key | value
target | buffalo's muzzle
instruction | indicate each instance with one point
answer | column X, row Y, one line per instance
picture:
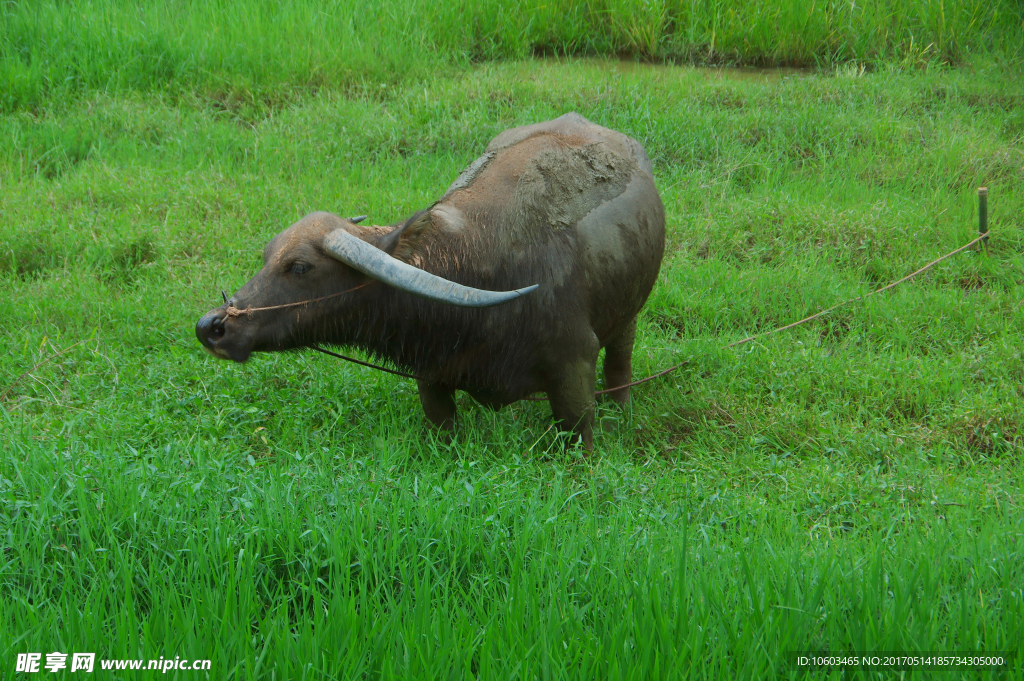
column 210, row 329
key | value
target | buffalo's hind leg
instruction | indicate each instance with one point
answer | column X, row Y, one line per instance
column 618, row 363
column 571, row 394
column 438, row 405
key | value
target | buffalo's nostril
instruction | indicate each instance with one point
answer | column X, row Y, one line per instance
column 210, row 328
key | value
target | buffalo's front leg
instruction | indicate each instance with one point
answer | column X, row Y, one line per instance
column 571, row 394
column 438, row 405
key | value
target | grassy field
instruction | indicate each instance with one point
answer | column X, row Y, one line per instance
column 850, row 485
column 266, row 54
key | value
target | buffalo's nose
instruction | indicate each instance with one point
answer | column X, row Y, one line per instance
column 210, row 328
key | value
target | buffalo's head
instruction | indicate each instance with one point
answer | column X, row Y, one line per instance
column 308, row 272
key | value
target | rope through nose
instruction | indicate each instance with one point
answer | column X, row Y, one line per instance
column 233, row 311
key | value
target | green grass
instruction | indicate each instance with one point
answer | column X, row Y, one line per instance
column 243, row 54
column 853, row 484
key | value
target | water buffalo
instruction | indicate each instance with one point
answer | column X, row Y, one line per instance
column 565, row 207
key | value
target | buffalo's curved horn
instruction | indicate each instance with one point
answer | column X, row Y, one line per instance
column 378, row 265
column 356, row 220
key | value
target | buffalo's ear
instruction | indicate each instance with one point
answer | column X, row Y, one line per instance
column 401, row 242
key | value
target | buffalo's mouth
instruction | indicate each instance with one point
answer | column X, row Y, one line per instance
column 212, row 332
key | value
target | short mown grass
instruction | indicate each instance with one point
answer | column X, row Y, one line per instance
column 850, row 485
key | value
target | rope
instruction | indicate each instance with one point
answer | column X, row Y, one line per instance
column 235, row 312
column 933, row 263
column 365, row 364
column 930, row 265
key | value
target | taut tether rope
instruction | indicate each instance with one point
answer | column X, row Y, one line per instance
column 933, row 263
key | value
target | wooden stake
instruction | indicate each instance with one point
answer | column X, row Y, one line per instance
column 983, row 215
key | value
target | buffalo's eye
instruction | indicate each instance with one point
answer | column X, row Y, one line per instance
column 300, row 268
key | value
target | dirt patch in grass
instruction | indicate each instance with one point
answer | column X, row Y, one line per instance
column 683, row 425
column 834, row 329
column 988, row 435
column 669, row 323
column 970, row 282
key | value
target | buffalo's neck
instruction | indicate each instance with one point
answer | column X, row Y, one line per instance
column 443, row 344
column 412, row 332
